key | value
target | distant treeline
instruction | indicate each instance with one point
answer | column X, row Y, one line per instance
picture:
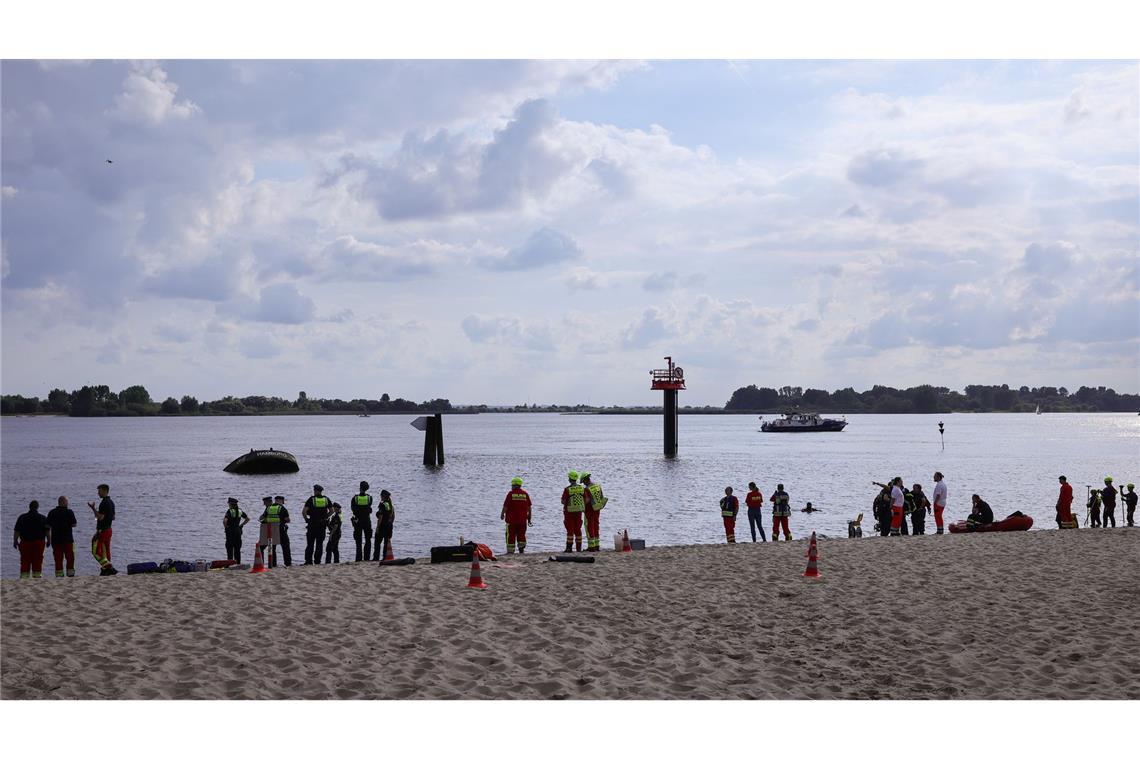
column 930, row 399
column 135, row 401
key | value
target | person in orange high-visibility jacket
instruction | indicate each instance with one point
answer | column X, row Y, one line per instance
column 516, row 513
column 729, row 506
column 575, row 501
column 593, row 514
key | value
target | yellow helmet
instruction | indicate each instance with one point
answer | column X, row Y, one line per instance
column 573, row 475
column 516, row 481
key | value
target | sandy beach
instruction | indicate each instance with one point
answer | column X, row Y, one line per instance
column 1038, row 615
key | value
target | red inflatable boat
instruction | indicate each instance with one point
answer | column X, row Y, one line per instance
column 1013, row 522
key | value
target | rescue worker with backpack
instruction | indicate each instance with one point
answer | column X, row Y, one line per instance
column 516, row 514
column 1092, row 507
column 729, row 506
column 593, row 514
column 273, row 519
column 781, row 511
column 575, row 501
column 233, row 521
column 362, row 522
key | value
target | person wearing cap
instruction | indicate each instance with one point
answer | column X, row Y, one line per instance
column 332, row 548
column 729, row 506
column 1065, row 504
column 362, row 522
column 593, row 514
column 385, row 520
column 575, row 501
column 939, row 504
column 516, row 513
column 316, row 515
column 1130, row 501
column 754, row 500
column 1108, row 502
column 781, row 511
column 233, row 521
column 286, row 552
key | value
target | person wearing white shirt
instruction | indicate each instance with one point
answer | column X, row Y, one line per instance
column 897, row 506
column 939, row 500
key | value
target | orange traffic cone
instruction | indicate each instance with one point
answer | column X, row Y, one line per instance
column 258, row 563
column 388, row 551
column 625, row 547
column 813, row 559
column 476, row 580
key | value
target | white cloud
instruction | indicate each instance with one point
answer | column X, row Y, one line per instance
column 544, row 247
column 148, row 96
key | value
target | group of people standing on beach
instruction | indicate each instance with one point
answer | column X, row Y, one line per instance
column 1100, row 508
column 323, row 523
column 582, row 502
column 34, row 532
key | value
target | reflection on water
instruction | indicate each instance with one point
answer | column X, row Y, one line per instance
column 167, row 480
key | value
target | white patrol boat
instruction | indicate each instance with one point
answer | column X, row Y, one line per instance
column 797, row 422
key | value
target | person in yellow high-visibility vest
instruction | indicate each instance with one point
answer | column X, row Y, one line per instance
column 729, row 506
column 575, row 501
column 593, row 514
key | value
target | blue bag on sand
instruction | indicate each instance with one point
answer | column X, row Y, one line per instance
column 142, row 567
column 184, row 567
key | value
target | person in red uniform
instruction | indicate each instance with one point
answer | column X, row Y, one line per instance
column 101, row 541
column 729, row 506
column 1065, row 504
column 516, row 513
column 61, row 520
column 754, row 501
column 29, row 535
column 576, row 499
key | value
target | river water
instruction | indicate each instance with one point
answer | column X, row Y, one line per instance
column 167, row 480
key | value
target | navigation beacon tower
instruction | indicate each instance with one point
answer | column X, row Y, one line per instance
column 670, row 381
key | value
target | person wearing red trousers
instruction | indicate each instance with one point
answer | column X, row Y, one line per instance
column 940, row 500
column 576, row 499
column 101, row 541
column 516, row 513
column 898, row 506
column 1065, row 504
column 781, row 510
column 28, row 536
column 593, row 514
column 60, row 521
column 729, row 506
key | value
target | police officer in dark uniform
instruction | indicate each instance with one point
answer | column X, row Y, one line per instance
column 286, row 556
column 233, row 522
column 385, row 519
column 316, row 514
column 362, row 522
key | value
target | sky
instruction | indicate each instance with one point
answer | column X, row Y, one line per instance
column 520, row 231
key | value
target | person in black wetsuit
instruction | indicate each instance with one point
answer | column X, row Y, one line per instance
column 1130, row 502
column 332, row 548
column 286, row 556
column 981, row 514
column 921, row 507
column 881, row 509
column 1108, row 503
column 362, row 522
column 316, row 514
column 233, row 521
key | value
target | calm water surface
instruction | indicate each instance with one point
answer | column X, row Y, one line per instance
column 167, row 480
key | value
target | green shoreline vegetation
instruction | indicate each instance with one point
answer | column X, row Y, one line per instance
column 135, row 401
